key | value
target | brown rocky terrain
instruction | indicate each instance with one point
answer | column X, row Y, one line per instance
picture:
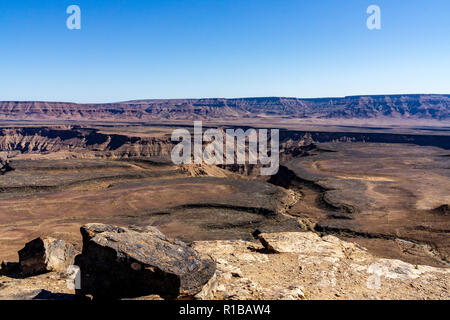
column 63, row 176
column 282, row 266
column 384, row 189
column 86, row 141
column 406, row 107
column 135, row 141
column 387, row 197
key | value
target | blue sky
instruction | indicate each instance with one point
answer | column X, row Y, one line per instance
column 223, row 48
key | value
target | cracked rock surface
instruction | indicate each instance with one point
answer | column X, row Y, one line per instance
column 286, row 265
column 303, row 265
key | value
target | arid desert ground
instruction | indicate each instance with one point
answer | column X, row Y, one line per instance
column 391, row 197
column 385, row 189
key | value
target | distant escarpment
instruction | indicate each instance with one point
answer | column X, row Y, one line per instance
column 399, row 107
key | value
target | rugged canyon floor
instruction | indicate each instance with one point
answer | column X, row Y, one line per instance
column 384, row 190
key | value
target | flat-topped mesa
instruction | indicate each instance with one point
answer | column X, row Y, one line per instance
column 408, row 107
column 131, row 262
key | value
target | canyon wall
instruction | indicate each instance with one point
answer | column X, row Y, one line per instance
column 416, row 107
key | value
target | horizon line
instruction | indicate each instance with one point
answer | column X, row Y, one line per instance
column 232, row 98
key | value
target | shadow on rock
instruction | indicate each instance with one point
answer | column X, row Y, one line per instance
column 11, row 270
column 48, row 295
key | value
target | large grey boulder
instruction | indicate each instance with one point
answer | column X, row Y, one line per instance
column 131, row 262
column 45, row 254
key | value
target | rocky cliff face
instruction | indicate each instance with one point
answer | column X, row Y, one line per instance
column 428, row 107
column 81, row 141
column 84, row 142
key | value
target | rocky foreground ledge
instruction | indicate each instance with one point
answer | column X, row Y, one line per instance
column 141, row 263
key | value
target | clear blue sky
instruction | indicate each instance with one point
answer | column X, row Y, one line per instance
column 221, row 48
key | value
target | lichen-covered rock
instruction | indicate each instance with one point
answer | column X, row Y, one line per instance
column 45, row 254
column 131, row 262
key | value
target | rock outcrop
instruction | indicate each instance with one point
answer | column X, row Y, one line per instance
column 442, row 210
column 132, row 262
column 45, row 254
column 303, row 265
column 143, row 264
column 5, row 166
